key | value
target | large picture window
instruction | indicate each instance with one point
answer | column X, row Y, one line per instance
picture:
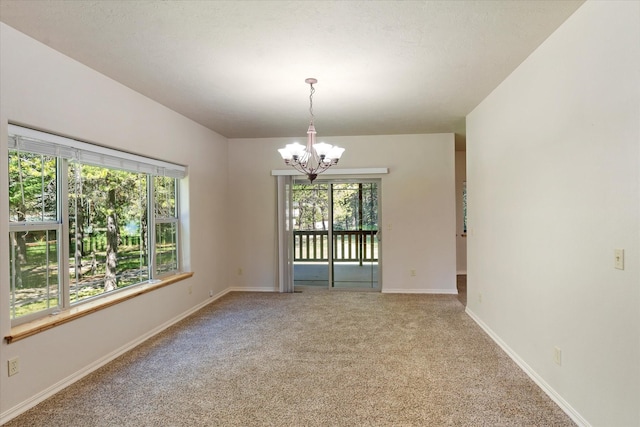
column 85, row 221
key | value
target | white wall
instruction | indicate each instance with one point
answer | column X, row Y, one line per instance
column 45, row 89
column 418, row 208
column 461, row 237
column 552, row 161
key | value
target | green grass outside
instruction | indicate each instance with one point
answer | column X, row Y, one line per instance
column 31, row 296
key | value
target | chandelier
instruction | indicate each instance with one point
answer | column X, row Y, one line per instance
column 315, row 158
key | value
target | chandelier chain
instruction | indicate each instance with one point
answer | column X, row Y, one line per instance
column 313, row 90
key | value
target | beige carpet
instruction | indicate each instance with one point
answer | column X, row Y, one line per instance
column 316, row 358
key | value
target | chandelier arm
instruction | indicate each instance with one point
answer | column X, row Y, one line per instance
column 313, row 164
column 303, row 164
column 323, row 167
column 310, row 163
column 299, row 168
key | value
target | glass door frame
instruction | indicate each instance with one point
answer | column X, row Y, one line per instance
column 330, row 246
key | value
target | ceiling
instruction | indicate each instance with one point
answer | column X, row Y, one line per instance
column 238, row 67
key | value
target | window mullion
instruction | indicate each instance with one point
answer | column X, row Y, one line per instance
column 63, row 219
column 42, row 208
column 151, row 225
column 176, row 212
column 47, row 279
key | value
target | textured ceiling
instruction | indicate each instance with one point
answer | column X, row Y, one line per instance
column 238, row 67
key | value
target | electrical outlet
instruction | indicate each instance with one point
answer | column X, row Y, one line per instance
column 618, row 257
column 557, row 356
column 239, row 272
column 14, row 366
column 211, row 293
column 479, row 297
column 412, row 273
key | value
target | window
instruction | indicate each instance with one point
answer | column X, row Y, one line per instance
column 107, row 228
column 166, row 215
column 85, row 221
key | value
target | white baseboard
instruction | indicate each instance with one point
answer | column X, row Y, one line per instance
column 253, row 289
column 420, row 291
column 563, row 404
column 65, row 382
column 384, row 290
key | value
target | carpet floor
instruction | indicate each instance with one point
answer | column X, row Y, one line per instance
column 315, row 358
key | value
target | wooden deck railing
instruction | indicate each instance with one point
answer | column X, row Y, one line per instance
column 357, row 246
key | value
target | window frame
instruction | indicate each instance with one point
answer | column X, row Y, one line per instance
column 65, row 151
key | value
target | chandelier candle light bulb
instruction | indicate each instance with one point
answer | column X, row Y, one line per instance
column 315, row 158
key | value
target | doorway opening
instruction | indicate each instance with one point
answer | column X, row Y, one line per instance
column 335, row 234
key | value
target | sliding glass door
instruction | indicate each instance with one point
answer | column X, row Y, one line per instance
column 335, row 227
column 311, row 251
column 354, row 227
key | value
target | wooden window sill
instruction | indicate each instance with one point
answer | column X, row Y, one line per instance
column 31, row 328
